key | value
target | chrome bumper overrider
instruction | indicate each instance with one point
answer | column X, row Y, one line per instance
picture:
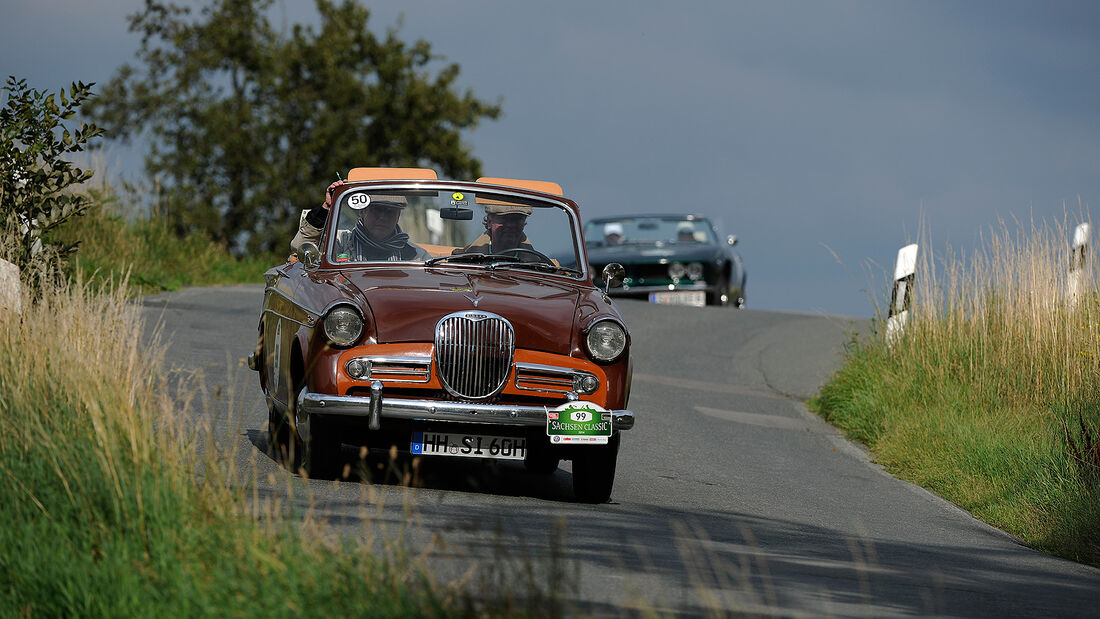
column 375, row 408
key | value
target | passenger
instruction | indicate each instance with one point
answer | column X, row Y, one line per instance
column 685, row 233
column 376, row 235
column 313, row 222
column 504, row 224
column 613, row 233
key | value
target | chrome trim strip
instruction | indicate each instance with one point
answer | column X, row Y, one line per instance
column 437, row 410
column 296, row 304
column 287, row 318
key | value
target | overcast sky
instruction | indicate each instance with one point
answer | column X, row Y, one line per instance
column 821, row 134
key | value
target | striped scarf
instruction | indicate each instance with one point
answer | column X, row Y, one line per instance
column 367, row 248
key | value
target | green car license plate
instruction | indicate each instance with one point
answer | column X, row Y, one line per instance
column 468, row 445
column 697, row 298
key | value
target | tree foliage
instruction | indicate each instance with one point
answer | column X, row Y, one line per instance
column 36, row 179
column 248, row 125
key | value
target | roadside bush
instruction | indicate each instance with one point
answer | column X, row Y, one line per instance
column 36, row 178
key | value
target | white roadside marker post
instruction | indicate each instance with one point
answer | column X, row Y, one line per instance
column 11, row 297
column 1078, row 254
column 900, row 299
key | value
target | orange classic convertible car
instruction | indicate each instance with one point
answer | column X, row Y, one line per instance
column 448, row 319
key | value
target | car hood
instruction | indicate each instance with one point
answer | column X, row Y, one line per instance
column 407, row 303
column 644, row 254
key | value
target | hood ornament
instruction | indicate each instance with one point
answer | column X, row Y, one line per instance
column 475, row 300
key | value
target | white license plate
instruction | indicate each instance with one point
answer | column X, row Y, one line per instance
column 697, row 298
column 468, row 445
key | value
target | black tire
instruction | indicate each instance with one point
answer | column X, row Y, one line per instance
column 324, row 460
column 722, row 289
column 282, row 440
column 594, row 471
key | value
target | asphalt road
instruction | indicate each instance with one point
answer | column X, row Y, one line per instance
column 730, row 496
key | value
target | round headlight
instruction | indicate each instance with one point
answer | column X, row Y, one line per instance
column 606, row 340
column 676, row 270
column 343, row 325
column 695, row 271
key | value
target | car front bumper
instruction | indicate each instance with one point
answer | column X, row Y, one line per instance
column 376, row 408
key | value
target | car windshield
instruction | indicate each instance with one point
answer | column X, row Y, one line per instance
column 452, row 226
column 659, row 231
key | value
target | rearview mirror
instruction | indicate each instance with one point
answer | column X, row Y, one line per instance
column 456, row 213
column 613, row 275
column 309, row 255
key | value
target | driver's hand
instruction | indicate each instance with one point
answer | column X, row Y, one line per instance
column 329, row 192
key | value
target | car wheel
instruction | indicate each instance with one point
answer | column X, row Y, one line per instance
column 324, row 450
column 594, row 471
column 282, row 440
column 721, row 293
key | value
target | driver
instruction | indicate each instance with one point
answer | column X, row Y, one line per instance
column 613, row 233
column 376, row 235
column 504, row 224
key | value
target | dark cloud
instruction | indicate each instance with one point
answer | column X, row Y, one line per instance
column 823, row 135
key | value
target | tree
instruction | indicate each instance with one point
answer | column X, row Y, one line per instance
column 247, row 127
column 35, row 178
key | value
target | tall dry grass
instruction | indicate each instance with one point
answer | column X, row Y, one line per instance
column 109, row 508
column 991, row 396
column 1026, row 334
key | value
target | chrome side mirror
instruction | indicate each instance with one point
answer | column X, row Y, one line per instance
column 731, row 240
column 613, row 276
column 309, row 255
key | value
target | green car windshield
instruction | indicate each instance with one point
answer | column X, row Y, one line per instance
column 657, row 230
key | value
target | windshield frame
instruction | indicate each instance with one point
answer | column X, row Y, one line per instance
column 328, row 237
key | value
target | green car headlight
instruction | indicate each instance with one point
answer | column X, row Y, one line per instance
column 695, row 271
column 605, row 341
column 677, row 271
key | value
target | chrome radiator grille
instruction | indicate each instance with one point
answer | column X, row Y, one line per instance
column 473, row 353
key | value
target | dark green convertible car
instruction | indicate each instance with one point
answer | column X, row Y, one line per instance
column 674, row 259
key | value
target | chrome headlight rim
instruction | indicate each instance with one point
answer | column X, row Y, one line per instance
column 585, row 383
column 695, row 271
column 343, row 325
column 597, row 349
column 677, row 271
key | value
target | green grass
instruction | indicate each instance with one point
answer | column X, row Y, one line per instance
column 114, row 244
column 103, row 516
column 996, row 373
